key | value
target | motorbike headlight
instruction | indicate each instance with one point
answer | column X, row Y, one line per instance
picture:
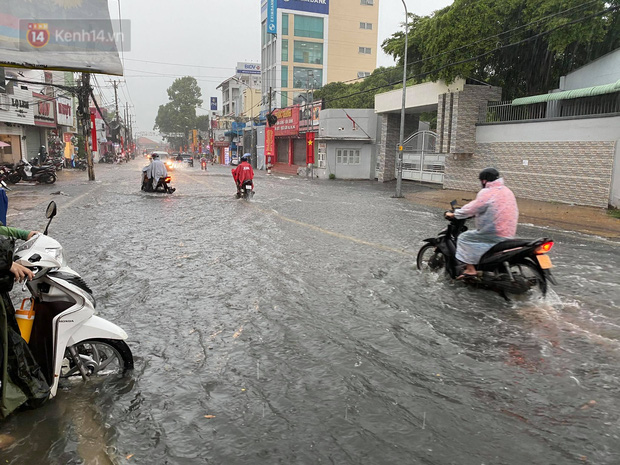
column 26, row 245
column 56, row 253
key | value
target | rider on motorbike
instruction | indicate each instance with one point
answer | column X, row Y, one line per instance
column 243, row 172
column 154, row 171
column 496, row 213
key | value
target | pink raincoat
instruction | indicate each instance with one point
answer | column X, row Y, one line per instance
column 496, row 212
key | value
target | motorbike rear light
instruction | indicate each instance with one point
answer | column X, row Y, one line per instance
column 168, row 179
column 546, row 247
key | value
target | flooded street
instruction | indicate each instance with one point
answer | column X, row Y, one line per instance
column 295, row 329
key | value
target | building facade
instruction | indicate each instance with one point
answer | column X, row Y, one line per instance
column 307, row 44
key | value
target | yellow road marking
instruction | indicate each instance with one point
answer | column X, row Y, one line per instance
column 316, row 228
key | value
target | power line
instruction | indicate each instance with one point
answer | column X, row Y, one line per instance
column 482, row 55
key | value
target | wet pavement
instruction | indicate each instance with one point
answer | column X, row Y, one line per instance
column 295, row 329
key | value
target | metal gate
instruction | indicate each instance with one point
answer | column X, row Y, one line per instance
column 420, row 160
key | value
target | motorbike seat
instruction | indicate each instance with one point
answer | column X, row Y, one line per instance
column 506, row 245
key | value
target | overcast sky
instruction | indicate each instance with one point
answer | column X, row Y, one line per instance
column 204, row 39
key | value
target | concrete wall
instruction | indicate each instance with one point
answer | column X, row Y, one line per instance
column 605, row 70
column 365, row 169
column 569, row 161
column 334, row 123
column 388, row 143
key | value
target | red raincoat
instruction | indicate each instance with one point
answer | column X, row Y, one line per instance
column 243, row 172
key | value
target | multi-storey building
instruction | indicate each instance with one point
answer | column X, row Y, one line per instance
column 309, row 43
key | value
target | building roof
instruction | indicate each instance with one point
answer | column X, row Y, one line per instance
column 569, row 94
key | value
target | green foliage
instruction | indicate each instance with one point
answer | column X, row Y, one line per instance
column 179, row 114
column 442, row 45
column 203, row 123
column 614, row 213
column 360, row 94
column 332, row 176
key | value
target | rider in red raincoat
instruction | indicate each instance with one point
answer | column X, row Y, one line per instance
column 242, row 173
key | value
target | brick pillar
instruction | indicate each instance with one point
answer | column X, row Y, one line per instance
column 390, row 138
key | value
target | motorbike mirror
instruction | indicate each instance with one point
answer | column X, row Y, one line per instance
column 453, row 204
column 51, row 210
column 50, row 213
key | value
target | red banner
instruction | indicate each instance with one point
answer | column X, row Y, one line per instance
column 288, row 121
column 93, row 132
column 270, row 145
column 310, row 148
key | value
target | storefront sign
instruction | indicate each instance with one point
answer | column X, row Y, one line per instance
column 248, row 68
column 64, row 111
column 313, row 6
column 309, row 117
column 44, row 111
column 17, row 107
column 272, row 16
column 288, row 121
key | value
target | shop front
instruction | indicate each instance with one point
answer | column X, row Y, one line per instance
column 287, row 140
column 16, row 114
column 66, row 126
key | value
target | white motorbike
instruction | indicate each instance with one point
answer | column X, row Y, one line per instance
column 67, row 339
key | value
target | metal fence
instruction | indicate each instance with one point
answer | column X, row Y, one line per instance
column 500, row 112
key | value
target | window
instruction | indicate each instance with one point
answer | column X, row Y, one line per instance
column 366, row 26
column 347, row 157
column 365, row 50
column 284, row 99
column 363, row 74
column 284, row 24
column 308, row 52
column 264, row 33
column 322, row 155
column 284, row 49
column 284, row 76
column 307, row 78
column 367, row 2
column 309, row 26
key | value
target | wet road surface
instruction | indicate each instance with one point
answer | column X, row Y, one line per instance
column 295, row 329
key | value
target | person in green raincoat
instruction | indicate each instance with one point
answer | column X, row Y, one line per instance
column 21, row 379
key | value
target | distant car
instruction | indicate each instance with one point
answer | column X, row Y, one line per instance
column 187, row 158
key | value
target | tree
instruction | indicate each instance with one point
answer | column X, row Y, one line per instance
column 359, row 94
column 524, row 46
column 203, row 123
column 179, row 114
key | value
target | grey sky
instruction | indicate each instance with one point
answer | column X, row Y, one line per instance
column 208, row 37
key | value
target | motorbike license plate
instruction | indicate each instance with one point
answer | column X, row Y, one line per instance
column 544, row 261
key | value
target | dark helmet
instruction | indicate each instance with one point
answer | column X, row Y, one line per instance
column 489, row 175
column 155, row 155
column 247, row 157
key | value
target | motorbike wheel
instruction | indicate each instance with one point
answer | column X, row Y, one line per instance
column 83, row 167
column 48, row 178
column 530, row 272
column 430, row 259
column 14, row 178
column 100, row 357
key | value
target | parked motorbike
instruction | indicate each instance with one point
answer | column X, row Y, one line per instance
column 163, row 185
column 24, row 171
column 511, row 267
column 108, row 157
column 67, row 340
column 57, row 162
column 80, row 164
column 4, row 176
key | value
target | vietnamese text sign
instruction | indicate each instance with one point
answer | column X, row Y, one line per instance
column 44, row 110
column 64, row 111
column 313, row 6
column 288, row 121
column 272, row 16
column 248, row 68
column 80, row 37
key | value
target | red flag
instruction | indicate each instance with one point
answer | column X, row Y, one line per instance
column 93, row 132
column 310, row 148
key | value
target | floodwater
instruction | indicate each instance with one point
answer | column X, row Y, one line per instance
column 295, row 329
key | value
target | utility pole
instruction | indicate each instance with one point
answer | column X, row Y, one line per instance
column 126, row 126
column 84, row 95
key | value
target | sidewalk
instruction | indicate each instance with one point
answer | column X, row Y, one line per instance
column 587, row 220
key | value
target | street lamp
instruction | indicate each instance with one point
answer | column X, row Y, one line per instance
column 399, row 163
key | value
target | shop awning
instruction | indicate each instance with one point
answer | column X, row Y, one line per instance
column 569, row 94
